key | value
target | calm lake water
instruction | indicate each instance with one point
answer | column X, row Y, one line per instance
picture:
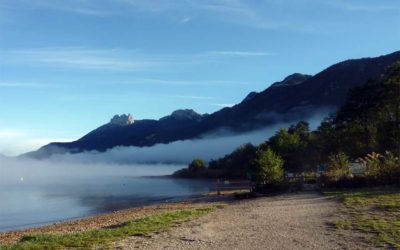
column 25, row 205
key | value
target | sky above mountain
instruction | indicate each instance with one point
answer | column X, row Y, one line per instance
column 67, row 67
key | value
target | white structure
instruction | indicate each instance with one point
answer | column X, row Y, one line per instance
column 357, row 167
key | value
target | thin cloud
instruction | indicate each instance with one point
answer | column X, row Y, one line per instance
column 194, row 97
column 223, row 105
column 24, row 85
column 185, row 20
column 81, row 58
column 116, row 59
column 238, row 53
column 87, row 97
column 254, row 14
column 237, row 12
column 181, row 82
column 363, row 6
column 89, row 12
column 88, row 8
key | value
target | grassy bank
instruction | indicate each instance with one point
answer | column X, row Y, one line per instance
column 375, row 212
column 104, row 237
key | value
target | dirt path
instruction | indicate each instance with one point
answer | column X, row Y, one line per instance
column 292, row 221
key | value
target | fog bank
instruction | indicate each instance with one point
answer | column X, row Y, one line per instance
column 161, row 159
column 211, row 146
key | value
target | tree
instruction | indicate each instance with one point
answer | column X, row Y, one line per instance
column 327, row 138
column 302, row 128
column 196, row 169
column 370, row 119
column 268, row 168
column 197, row 165
column 236, row 164
column 291, row 147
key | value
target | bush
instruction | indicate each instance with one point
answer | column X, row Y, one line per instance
column 338, row 167
column 382, row 169
column 268, row 168
column 391, row 168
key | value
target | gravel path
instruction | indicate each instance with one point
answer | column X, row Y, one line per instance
column 291, row 221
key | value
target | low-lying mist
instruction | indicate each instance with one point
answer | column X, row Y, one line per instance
column 36, row 192
column 76, row 185
column 211, row 146
column 161, row 159
column 13, row 170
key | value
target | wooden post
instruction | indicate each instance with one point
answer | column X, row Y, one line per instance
column 218, row 191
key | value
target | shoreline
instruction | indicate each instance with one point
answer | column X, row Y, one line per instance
column 114, row 218
column 147, row 203
column 287, row 221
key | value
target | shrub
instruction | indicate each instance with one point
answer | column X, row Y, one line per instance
column 268, row 168
column 391, row 168
column 338, row 167
column 382, row 169
column 372, row 165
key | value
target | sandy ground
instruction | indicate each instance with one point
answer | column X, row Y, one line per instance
column 290, row 221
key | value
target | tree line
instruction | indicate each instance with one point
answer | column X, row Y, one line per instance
column 366, row 130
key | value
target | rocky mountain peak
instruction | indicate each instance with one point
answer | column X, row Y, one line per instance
column 122, row 120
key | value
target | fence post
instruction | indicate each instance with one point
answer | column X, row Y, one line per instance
column 218, row 191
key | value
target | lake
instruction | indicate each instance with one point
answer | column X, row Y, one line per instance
column 24, row 204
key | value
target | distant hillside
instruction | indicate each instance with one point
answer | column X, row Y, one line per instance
column 297, row 97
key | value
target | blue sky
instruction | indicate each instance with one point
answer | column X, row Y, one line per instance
column 66, row 67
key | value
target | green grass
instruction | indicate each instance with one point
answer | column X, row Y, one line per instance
column 101, row 238
column 375, row 212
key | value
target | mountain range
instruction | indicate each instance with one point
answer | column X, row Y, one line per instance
column 296, row 97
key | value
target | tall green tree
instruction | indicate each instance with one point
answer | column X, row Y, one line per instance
column 291, row 145
column 268, row 168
